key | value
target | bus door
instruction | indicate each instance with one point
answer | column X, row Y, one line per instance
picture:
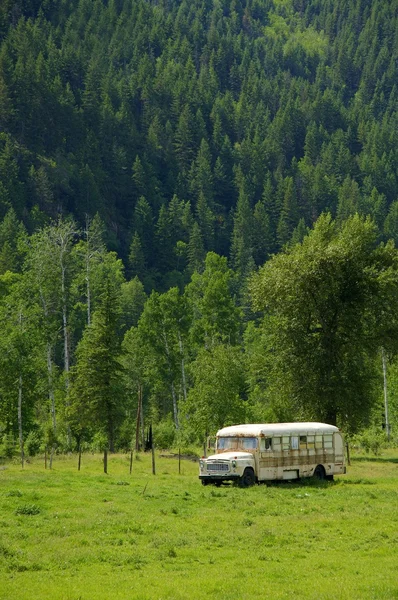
column 267, row 460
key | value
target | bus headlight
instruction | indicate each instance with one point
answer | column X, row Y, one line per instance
column 234, row 464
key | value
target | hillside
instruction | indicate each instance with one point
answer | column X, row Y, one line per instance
column 194, row 126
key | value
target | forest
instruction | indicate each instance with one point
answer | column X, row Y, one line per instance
column 198, row 218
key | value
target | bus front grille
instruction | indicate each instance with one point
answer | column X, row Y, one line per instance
column 218, row 467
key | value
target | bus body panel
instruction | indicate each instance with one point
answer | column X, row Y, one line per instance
column 275, row 451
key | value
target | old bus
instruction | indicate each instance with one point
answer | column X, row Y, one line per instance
column 254, row 453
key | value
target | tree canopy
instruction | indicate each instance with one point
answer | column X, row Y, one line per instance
column 330, row 304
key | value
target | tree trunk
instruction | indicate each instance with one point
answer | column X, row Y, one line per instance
column 21, row 444
column 142, row 421
column 184, row 383
column 173, row 392
column 50, row 376
column 138, row 421
column 51, row 387
column 88, row 292
column 387, row 420
column 52, row 456
column 175, row 406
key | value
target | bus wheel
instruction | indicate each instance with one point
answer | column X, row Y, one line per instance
column 247, row 479
column 319, row 473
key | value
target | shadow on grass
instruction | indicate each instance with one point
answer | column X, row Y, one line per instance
column 307, row 482
column 376, row 459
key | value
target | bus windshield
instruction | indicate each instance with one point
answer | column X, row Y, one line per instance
column 236, row 443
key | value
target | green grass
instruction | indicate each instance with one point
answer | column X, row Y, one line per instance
column 69, row 535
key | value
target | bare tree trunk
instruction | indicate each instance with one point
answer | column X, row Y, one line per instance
column 51, row 387
column 50, row 375
column 173, row 392
column 175, row 406
column 383, row 355
column 52, row 456
column 88, row 291
column 88, row 287
column 66, row 347
column 65, row 331
column 184, row 382
column 142, row 421
column 21, row 444
column 138, row 421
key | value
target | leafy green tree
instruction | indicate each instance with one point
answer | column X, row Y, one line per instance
column 132, row 302
column 163, row 326
column 89, row 254
column 215, row 314
column 329, row 305
column 96, row 397
column 12, row 237
column 216, row 398
column 196, row 251
column 137, row 264
column 49, row 269
column 21, row 366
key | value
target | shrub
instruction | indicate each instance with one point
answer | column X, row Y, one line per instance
column 33, row 443
column 7, row 446
column 164, row 433
column 371, row 440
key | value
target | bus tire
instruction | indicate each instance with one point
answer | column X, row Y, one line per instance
column 248, row 479
column 319, row 473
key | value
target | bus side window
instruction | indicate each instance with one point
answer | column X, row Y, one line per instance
column 295, row 442
column 286, row 442
column 303, row 442
column 266, row 444
column 276, row 444
column 311, row 441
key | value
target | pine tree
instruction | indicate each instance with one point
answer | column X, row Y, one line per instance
column 96, row 392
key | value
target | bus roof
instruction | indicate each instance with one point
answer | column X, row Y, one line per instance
column 265, row 429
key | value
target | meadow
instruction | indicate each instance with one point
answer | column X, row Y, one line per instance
column 69, row 535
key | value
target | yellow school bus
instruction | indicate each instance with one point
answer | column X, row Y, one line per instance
column 249, row 454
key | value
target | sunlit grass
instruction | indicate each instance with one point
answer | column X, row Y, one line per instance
column 84, row 535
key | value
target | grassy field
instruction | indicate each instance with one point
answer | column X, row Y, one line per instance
column 69, row 535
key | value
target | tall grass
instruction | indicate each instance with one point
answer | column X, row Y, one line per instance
column 84, row 535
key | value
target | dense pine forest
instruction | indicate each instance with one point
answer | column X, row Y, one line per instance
column 198, row 212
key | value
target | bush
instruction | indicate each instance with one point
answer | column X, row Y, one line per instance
column 371, row 440
column 164, row 433
column 33, row 443
column 7, row 446
column 99, row 443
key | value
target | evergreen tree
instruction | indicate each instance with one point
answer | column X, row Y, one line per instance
column 96, row 394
